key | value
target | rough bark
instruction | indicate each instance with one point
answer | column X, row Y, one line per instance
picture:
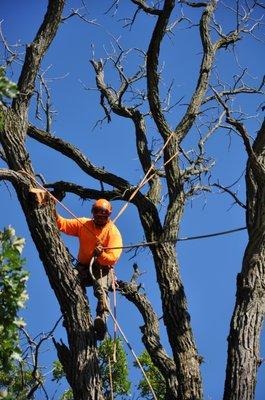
column 151, row 338
column 174, row 304
column 243, row 340
column 177, row 322
column 80, row 359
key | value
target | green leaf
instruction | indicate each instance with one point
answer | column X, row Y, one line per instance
column 154, row 376
column 13, row 296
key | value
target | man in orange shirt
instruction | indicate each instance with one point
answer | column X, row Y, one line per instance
column 99, row 238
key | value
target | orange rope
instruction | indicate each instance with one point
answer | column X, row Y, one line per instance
column 134, row 354
column 110, row 379
column 115, row 314
column 58, row 201
column 145, row 178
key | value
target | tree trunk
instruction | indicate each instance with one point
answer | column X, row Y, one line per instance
column 80, row 360
column 245, row 328
column 177, row 322
column 188, row 385
column 243, row 340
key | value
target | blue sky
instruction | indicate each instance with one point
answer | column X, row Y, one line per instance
column 208, row 267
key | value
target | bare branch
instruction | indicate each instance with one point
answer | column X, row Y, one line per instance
column 76, row 13
column 144, row 7
column 114, row 99
column 260, row 4
column 15, row 177
column 47, row 106
column 74, row 154
column 84, row 193
column 239, row 90
column 240, row 128
column 233, row 194
column 192, row 4
column 150, row 329
column 35, row 52
column 204, row 74
column 152, row 69
column 34, row 348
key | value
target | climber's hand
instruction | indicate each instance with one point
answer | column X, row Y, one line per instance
column 98, row 250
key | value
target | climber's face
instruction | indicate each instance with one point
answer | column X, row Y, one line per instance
column 100, row 216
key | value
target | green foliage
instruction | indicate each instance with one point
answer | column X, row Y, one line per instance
column 12, row 297
column 7, row 88
column 15, row 378
column 153, row 374
column 68, row 395
column 58, row 374
column 57, row 371
column 17, row 383
column 118, row 370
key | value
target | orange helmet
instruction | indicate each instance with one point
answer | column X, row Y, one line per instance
column 102, row 205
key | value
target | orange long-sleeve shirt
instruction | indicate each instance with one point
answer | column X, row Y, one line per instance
column 89, row 234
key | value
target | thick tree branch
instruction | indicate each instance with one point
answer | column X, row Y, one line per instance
column 115, row 102
column 76, row 155
column 170, row 151
column 85, row 193
column 152, row 68
column 143, row 6
column 192, row 4
column 35, row 52
column 14, row 177
column 150, row 329
column 205, row 70
column 248, row 315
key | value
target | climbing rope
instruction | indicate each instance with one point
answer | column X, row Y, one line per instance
column 115, row 312
column 145, row 178
column 110, row 379
column 121, row 331
column 180, row 239
column 133, row 353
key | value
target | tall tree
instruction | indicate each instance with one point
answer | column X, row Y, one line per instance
column 138, row 96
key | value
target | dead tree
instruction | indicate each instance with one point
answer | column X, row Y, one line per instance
column 182, row 174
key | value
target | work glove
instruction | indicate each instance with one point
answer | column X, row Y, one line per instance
column 98, row 249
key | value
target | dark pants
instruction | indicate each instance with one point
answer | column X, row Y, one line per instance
column 101, row 282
